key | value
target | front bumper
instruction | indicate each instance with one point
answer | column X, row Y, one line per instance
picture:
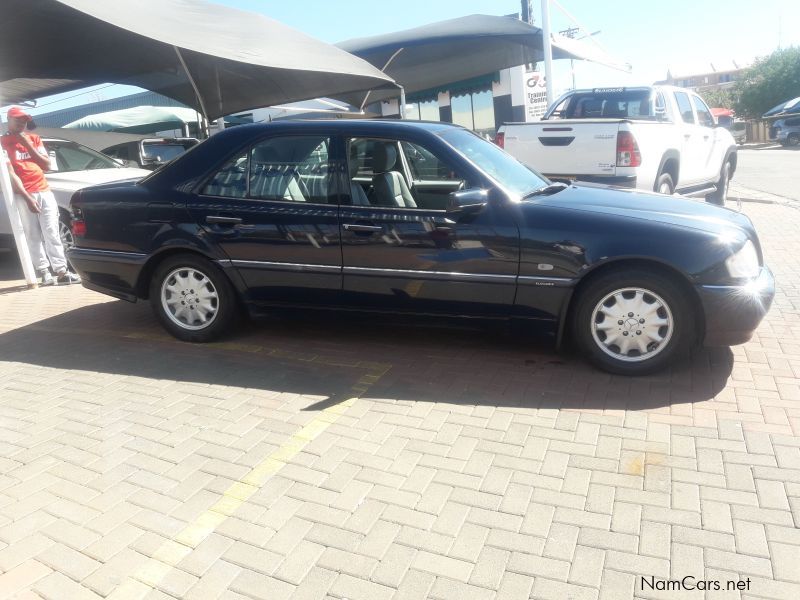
column 733, row 312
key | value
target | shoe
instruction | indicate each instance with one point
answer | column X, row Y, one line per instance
column 68, row 278
column 46, row 278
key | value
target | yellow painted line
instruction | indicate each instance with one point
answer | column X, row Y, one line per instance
column 172, row 552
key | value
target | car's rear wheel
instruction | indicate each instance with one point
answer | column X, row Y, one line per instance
column 665, row 184
column 192, row 298
column 793, row 139
column 721, row 194
column 632, row 321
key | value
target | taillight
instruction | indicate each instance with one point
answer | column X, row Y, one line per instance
column 500, row 139
column 78, row 228
column 628, row 154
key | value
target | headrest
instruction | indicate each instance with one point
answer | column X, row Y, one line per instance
column 384, row 156
column 353, row 162
column 266, row 154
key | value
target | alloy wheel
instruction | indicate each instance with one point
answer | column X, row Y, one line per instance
column 632, row 324
column 189, row 298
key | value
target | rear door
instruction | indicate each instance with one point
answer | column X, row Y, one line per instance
column 693, row 146
column 273, row 210
column 713, row 145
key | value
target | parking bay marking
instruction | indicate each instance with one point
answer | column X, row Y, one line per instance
column 173, row 551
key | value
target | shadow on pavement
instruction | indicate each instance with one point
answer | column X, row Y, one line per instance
column 325, row 356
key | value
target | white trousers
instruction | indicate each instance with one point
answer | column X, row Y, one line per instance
column 41, row 231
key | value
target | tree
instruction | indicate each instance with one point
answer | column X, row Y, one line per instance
column 718, row 98
column 770, row 81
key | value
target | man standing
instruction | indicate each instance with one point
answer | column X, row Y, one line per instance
column 29, row 160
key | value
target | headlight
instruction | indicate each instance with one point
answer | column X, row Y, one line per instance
column 744, row 263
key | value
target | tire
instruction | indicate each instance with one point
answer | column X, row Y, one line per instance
column 664, row 184
column 793, row 139
column 201, row 306
column 64, row 231
column 614, row 309
column 721, row 195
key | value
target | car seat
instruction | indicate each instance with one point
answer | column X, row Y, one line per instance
column 389, row 187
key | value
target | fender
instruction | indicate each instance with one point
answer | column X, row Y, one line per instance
column 671, row 154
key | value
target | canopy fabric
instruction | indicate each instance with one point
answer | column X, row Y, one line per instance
column 427, row 57
column 790, row 107
column 140, row 119
column 238, row 60
column 722, row 112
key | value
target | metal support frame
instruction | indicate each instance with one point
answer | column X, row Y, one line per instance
column 203, row 111
column 547, row 47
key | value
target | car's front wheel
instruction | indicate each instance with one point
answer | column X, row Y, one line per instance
column 793, row 139
column 632, row 321
column 192, row 298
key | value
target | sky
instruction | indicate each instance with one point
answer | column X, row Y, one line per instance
column 684, row 35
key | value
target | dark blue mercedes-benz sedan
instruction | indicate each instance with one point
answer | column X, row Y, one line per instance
column 419, row 218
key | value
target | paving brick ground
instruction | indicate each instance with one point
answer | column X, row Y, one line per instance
column 310, row 460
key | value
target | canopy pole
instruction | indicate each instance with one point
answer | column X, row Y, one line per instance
column 548, row 51
column 402, row 102
column 383, row 70
column 16, row 225
column 194, row 87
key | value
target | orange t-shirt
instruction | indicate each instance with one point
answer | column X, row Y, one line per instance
column 27, row 169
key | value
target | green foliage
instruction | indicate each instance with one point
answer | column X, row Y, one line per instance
column 770, row 81
column 718, row 98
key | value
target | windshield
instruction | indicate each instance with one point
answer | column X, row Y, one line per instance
column 70, row 156
column 511, row 174
column 163, row 152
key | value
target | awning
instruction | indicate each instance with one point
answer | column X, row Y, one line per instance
column 428, row 57
column 236, row 60
column 140, row 119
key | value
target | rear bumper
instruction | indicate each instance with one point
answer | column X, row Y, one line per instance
column 624, row 181
column 733, row 313
column 109, row 272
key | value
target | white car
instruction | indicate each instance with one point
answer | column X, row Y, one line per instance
column 656, row 138
column 74, row 167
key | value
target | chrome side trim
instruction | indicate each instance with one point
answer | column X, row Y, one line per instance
column 279, row 266
column 106, row 255
column 435, row 275
column 546, row 281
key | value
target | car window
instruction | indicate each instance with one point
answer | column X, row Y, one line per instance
column 704, row 116
column 684, row 107
column 425, row 166
column 74, row 157
column 511, row 174
column 163, row 152
column 230, row 181
column 292, row 168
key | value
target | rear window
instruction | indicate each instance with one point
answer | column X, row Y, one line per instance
column 163, row 152
column 606, row 104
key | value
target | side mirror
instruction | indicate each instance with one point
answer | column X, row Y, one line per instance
column 467, row 201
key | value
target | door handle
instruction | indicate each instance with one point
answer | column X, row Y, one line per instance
column 362, row 228
column 223, row 220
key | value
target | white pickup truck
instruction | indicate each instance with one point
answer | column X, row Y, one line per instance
column 656, row 138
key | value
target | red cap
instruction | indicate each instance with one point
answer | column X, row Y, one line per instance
column 15, row 112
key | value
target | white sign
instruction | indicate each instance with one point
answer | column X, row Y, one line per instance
column 535, row 96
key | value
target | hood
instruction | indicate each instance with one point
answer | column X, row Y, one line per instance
column 70, row 181
column 673, row 210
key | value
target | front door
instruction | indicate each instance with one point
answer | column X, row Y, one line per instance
column 273, row 209
column 402, row 252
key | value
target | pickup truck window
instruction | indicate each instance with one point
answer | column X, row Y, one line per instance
column 704, row 116
column 684, row 107
column 624, row 104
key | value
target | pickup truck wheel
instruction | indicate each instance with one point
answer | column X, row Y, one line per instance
column 792, row 139
column 664, row 184
column 721, row 195
column 632, row 322
column 192, row 298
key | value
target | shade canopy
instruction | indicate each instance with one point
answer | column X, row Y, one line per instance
column 454, row 50
column 236, row 60
column 790, row 107
column 96, row 140
column 139, row 119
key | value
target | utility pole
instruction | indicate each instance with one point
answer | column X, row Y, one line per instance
column 548, row 51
